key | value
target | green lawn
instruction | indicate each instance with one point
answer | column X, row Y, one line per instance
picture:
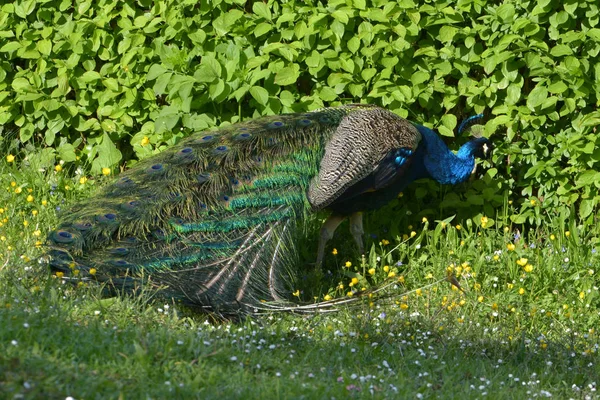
column 526, row 325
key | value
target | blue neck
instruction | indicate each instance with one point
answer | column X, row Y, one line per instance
column 442, row 164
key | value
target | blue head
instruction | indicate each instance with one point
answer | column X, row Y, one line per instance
column 476, row 148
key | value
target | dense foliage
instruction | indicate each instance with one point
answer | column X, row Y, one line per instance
column 98, row 84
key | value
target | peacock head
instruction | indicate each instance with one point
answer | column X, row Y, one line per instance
column 480, row 147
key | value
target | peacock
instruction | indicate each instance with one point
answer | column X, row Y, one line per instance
column 214, row 221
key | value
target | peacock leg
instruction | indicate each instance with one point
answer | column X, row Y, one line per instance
column 356, row 228
column 327, row 231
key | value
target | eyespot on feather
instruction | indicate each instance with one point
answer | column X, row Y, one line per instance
column 63, row 237
column 124, row 182
column 130, row 205
column 83, row 226
column 155, row 169
column 107, row 218
column 205, row 139
column 119, row 251
column 220, row 150
column 304, row 122
column 276, row 124
column 184, row 155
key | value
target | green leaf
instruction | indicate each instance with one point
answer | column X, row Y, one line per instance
column 287, row 75
column 20, row 84
column 586, row 207
column 155, row 71
column 107, row 154
column 210, row 70
column 260, row 94
column 419, row 77
column 537, row 96
column 111, row 83
column 506, row 12
column 66, row 152
column 353, row 44
column 44, row 47
column 262, row 28
column 587, row 178
column 89, row 76
column 262, row 10
column 449, row 121
column 10, row 46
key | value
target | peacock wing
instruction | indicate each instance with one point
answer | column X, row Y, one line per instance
column 368, row 151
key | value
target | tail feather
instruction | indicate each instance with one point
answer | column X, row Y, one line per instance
column 210, row 222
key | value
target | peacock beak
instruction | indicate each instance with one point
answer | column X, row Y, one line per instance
column 487, row 150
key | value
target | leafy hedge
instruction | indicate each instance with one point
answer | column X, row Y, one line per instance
column 102, row 82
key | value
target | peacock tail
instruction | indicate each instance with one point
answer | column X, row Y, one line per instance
column 214, row 221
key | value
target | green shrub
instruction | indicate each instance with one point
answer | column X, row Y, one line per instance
column 104, row 82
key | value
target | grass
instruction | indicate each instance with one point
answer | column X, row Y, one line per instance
column 524, row 327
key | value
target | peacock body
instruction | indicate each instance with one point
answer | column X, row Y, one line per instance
column 214, row 221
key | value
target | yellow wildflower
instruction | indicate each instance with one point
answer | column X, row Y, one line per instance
column 567, row 233
column 18, row 190
column 413, row 234
column 334, row 252
column 424, row 219
column 10, row 158
column 92, row 271
column 521, row 291
column 37, row 233
column 327, row 297
column 496, row 257
column 145, row 141
column 13, row 184
column 401, row 279
column 552, row 237
column 372, row 271
column 83, row 180
column 25, row 223
column 510, row 247
column 458, row 227
column 528, row 268
column 385, row 242
column 533, row 202
column 58, row 167
column 30, row 198
column 404, row 306
column 60, row 274
column 296, row 293
column 348, row 264
column 391, row 274
column 522, row 262
column 581, row 295
column 34, row 212
column 419, row 292
column 386, row 268
column 44, row 202
column 350, row 294
column 480, row 299
column 494, row 306
column 484, row 221
column 354, row 281
column 105, row 171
